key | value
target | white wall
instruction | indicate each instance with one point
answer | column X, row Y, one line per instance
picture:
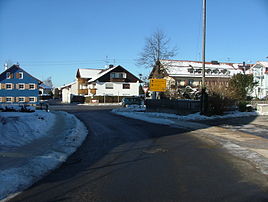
column 261, row 90
column 66, row 95
column 74, row 88
column 117, row 89
column 67, row 92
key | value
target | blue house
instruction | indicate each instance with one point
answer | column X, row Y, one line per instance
column 18, row 87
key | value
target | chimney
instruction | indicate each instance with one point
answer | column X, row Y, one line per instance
column 111, row 66
column 5, row 66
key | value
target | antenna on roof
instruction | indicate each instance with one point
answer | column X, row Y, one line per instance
column 18, row 64
column 106, row 62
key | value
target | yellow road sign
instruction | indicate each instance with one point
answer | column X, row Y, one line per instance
column 158, row 85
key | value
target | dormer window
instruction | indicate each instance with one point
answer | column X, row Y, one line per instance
column 8, row 75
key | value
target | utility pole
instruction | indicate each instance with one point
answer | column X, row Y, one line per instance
column 203, row 100
column 204, row 43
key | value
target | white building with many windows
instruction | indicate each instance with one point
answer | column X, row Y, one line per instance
column 260, row 74
column 114, row 81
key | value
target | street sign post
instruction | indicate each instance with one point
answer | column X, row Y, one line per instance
column 158, row 85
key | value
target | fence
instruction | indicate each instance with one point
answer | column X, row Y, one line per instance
column 173, row 106
column 254, row 103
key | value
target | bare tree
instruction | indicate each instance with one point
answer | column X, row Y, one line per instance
column 156, row 48
column 48, row 82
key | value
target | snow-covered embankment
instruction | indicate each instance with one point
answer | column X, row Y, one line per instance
column 32, row 144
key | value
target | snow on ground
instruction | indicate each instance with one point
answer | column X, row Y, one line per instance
column 138, row 112
column 50, row 139
column 20, row 128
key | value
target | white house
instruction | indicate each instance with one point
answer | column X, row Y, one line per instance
column 260, row 74
column 67, row 91
column 113, row 81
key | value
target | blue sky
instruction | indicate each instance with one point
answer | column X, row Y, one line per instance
column 55, row 37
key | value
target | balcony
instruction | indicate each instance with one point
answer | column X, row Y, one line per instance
column 83, row 91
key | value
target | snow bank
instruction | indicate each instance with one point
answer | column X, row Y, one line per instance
column 18, row 128
column 165, row 118
column 64, row 137
column 131, row 108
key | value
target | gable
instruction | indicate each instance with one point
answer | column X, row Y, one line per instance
column 158, row 71
column 119, row 69
column 14, row 75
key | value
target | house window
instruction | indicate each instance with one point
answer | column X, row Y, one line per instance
column 21, row 86
column 31, row 99
column 182, row 83
column 8, row 99
column 20, row 75
column 21, row 99
column 8, row 86
column 31, row 86
column 126, row 86
column 118, row 75
column 109, row 86
column 190, row 82
column 8, row 75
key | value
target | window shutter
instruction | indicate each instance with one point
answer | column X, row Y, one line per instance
column 3, row 86
column 26, row 99
column 12, row 99
column 17, row 99
column 35, row 86
column 17, row 75
column 3, row 99
column 11, row 75
column 17, row 86
column 12, row 86
column 26, row 86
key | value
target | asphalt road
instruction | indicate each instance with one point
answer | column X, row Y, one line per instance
column 129, row 160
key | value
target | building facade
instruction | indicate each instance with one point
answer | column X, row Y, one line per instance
column 18, row 87
column 260, row 74
column 182, row 75
column 113, row 81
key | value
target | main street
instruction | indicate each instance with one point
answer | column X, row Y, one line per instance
column 124, row 159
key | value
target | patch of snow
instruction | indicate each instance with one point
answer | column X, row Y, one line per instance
column 19, row 128
column 131, row 108
column 64, row 142
column 258, row 160
column 134, row 113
